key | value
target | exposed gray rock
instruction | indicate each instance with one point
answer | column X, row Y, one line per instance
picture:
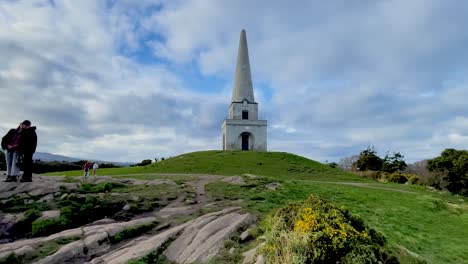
column 126, row 207
column 200, row 239
column 273, row 186
column 249, row 256
column 47, row 198
column 238, row 180
column 160, row 182
column 50, row 215
column 260, row 259
column 8, row 221
column 102, row 222
column 40, row 186
column 245, row 235
column 203, row 239
column 91, row 235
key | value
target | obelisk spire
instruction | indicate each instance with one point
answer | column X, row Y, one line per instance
column 243, row 81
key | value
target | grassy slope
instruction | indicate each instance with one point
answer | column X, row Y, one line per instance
column 422, row 222
column 273, row 164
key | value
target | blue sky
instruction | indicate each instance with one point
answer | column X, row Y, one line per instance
column 129, row 80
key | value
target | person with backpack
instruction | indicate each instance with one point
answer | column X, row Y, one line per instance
column 10, row 144
column 27, row 147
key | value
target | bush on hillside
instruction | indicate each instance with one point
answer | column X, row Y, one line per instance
column 452, row 166
column 368, row 160
column 316, row 231
column 397, row 178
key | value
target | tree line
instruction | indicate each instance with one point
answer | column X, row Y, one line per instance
column 449, row 171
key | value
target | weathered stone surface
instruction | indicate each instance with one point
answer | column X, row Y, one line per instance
column 160, row 182
column 91, row 235
column 8, row 221
column 40, row 186
column 249, row 256
column 70, row 251
column 273, row 186
column 260, row 259
column 245, row 235
column 47, row 198
column 200, row 240
column 203, row 239
column 238, row 180
column 50, row 215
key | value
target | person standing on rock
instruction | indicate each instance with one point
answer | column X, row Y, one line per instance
column 27, row 147
column 95, row 167
column 10, row 154
column 87, row 165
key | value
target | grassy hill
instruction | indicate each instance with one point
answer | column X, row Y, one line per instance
column 421, row 226
column 280, row 165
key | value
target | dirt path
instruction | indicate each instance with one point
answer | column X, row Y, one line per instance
column 178, row 206
column 360, row 184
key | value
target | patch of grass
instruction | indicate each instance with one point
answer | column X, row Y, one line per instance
column 132, row 232
column 17, row 204
column 11, row 259
column 76, row 211
column 99, row 188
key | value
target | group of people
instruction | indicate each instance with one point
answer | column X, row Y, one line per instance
column 88, row 165
column 19, row 145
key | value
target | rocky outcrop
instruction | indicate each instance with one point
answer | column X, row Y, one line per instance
column 202, row 239
column 197, row 240
column 42, row 186
column 94, row 239
column 238, row 180
column 7, row 222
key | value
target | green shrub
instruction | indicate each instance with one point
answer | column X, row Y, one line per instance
column 99, row 188
column 11, row 259
column 315, row 231
column 414, row 179
column 46, row 227
column 397, row 178
column 23, row 227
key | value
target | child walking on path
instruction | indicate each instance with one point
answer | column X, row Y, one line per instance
column 95, row 166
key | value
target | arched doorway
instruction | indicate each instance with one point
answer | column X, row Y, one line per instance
column 246, row 141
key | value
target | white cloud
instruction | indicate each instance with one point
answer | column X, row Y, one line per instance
column 99, row 78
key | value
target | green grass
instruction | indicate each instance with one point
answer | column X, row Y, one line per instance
column 274, row 164
column 421, row 222
column 433, row 225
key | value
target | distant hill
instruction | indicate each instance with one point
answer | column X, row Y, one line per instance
column 44, row 156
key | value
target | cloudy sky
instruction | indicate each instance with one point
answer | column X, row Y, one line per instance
column 127, row 80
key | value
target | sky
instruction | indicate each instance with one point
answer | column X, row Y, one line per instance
column 124, row 80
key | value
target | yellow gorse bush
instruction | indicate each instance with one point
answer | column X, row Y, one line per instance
column 316, row 231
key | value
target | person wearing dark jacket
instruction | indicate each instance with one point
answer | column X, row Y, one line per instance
column 27, row 147
column 11, row 155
